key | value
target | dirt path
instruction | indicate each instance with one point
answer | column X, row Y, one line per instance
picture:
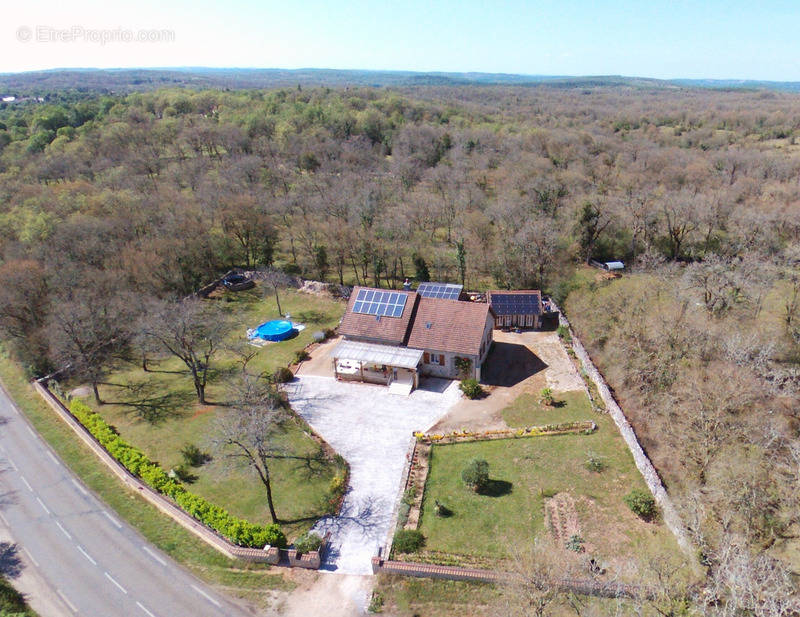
column 332, row 595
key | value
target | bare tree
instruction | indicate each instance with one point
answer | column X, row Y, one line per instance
column 276, row 279
column 192, row 331
column 531, row 589
column 247, row 433
column 88, row 327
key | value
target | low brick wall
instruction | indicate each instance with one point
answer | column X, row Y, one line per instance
column 271, row 555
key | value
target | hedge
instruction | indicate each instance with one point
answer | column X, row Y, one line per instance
column 238, row 531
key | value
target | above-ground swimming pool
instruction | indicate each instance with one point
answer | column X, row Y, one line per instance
column 275, row 330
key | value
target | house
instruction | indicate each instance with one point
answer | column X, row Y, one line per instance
column 393, row 337
column 455, row 337
column 516, row 309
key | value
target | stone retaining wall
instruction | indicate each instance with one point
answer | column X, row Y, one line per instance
column 271, row 555
column 671, row 517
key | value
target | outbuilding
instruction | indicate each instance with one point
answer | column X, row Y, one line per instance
column 516, row 309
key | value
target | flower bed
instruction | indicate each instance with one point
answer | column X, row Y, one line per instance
column 586, row 426
column 238, row 531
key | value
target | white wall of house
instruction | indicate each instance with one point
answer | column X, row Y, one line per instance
column 442, row 363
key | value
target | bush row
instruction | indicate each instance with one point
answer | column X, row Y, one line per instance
column 238, row 531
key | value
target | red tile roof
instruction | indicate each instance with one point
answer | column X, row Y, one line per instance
column 445, row 325
column 389, row 330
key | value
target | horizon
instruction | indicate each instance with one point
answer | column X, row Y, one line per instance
column 443, row 73
column 660, row 40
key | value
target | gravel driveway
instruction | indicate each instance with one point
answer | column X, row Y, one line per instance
column 372, row 430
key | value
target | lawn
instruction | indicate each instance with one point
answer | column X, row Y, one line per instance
column 301, row 480
column 527, row 410
column 524, row 473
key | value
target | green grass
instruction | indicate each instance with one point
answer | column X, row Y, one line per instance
column 407, row 596
column 300, row 483
column 238, row 579
column 524, row 472
column 526, row 410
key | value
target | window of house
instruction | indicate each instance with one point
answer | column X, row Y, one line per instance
column 436, row 358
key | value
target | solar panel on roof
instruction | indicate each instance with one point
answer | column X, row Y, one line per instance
column 381, row 303
column 445, row 291
column 508, row 304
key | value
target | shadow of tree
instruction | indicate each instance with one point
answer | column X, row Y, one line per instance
column 497, row 488
column 311, row 316
column 10, row 563
column 148, row 403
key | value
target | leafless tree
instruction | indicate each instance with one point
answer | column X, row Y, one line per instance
column 245, row 434
column 192, row 330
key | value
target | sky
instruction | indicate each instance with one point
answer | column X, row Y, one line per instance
column 709, row 39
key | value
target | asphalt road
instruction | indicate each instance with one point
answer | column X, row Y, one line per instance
column 90, row 562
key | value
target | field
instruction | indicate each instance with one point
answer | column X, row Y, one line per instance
column 301, row 474
column 524, row 474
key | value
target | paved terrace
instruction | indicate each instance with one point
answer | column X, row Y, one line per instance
column 371, row 429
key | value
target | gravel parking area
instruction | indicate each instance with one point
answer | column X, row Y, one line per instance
column 372, row 430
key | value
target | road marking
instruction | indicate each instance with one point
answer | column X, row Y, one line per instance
column 206, row 596
column 154, row 556
column 52, row 457
column 26, row 483
column 28, row 553
column 30, row 430
column 12, row 463
column 64, row 531
column 112, row 519
column 66, row 601
column 79, row 487
column 44, row 507
column 4, row 519
column 120, row 587
column 87, row 555
column 146, row 612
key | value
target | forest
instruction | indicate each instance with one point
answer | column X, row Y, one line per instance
column 112, row 204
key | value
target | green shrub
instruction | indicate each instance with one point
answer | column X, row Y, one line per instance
column 471, row 388
column 284, row 375
column 376, row 603
column 476, row 474
column 575, row 543
column 184, row 473
column 194, row 456
column 330, row 333
column 563, row 334
column 441, row 510
column 301, row 355
column 594, row 462
column 547, row 396
column 238, row 531
column 308, row 542
column 641, row 503
column 408, row 541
